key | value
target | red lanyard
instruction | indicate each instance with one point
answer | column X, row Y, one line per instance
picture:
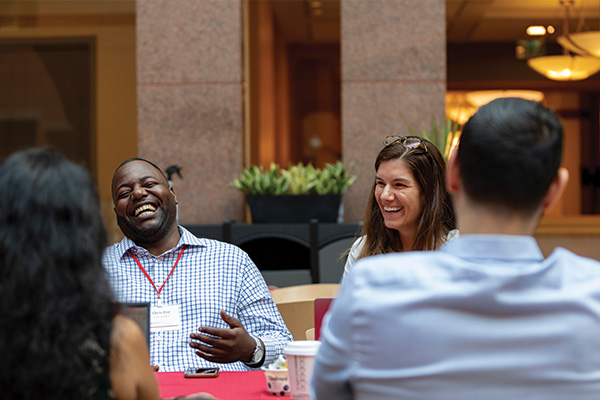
column 148, row 276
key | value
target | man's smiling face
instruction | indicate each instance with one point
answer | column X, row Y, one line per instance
column 145, row 205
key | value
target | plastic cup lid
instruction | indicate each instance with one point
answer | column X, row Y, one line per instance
column 302, row 348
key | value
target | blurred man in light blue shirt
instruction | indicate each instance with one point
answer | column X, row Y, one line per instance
column 486, row 316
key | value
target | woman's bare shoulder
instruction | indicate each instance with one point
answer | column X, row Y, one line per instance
column 132, row 376
column 126, row 342
column 125, row 329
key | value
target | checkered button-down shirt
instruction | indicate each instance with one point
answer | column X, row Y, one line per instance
column 210, row 276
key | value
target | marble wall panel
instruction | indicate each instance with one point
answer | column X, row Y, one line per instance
column 189, row 40
column 190, row 99
column 393, row 39
column 393, row 76
column 372, row 111
column 200, row 129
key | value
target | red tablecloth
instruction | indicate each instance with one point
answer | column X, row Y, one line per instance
column 250, row 385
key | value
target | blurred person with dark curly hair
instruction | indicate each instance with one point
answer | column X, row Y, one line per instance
column 61, row 337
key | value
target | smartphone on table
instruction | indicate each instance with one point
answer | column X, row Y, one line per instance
column 193, row 372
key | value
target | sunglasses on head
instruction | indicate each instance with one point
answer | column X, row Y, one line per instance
column 412, row 142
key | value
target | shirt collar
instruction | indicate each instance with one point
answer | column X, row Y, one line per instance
column 186, row 239
column 501, row 247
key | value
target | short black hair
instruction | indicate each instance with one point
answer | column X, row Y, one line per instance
column 509, row 153
column 144, row 160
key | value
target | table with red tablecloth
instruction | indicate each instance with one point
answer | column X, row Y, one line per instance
column 248, row 385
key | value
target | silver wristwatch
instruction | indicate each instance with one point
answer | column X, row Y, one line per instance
column 258, row 354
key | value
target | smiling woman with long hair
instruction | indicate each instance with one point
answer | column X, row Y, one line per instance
column 60, row 336
column 408, row 207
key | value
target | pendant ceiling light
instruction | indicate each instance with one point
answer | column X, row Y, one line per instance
column 481, row 97
column 582, row 43
column 566, row 67
column 460, row 106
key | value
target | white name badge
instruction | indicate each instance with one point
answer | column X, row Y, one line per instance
column 165, row 318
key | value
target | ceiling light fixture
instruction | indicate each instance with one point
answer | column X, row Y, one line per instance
column 460, row 106
column 536, row 30
column 582, row 43
column 481, row 97
column 565, row 67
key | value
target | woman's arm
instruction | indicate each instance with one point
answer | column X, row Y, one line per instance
column 131, row 374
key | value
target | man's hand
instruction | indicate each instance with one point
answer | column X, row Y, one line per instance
column 228, row 345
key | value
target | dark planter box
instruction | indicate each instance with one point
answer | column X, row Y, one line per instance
column 270, row 209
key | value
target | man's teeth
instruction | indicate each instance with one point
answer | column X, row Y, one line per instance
column 144, row 210
column 392, row 209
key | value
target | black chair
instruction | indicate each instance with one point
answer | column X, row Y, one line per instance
column 280, row 251
column 289, row 254
column 209, row 231
column 329, row 241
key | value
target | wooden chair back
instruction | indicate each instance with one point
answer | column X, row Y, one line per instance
column 296, row 305
column 305, row 292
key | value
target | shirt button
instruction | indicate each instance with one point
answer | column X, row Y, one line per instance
column 159, row 337
column 159, row 259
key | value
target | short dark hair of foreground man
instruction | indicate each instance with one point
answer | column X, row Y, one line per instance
column 204, row 290
column 486, row 316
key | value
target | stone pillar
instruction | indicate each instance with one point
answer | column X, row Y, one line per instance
column 190, row 100
column 393, row 74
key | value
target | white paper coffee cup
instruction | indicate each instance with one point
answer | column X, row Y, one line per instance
column 300, row 357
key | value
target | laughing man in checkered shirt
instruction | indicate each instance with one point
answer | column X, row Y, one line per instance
column 210, row 306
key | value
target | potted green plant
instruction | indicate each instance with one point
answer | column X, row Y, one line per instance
column 445, row 138
column 296, row 194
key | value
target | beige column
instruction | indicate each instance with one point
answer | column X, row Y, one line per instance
column 190, row 100
column 393, row 73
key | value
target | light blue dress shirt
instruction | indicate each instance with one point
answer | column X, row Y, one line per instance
column 485, row 317
column 210, row 276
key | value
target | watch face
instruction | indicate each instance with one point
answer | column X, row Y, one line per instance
column 258, row 354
